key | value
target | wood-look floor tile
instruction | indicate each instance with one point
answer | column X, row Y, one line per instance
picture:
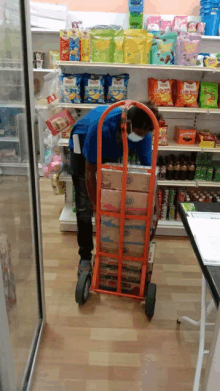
column 105, row 385
column 114, row 359
column 113, row 334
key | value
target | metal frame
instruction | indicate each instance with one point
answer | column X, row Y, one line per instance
column 202, row 323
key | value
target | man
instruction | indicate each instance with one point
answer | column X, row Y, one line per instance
column 83, row 147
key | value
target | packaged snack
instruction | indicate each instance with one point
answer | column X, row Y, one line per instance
column 137, row 46
column 162, row 136
column 74, row 53
column 102, row 45
column 70, row 88
column 60, row 122
column 209, row 174
column 54, row 56
column 212, row 60
column 187, row 49
column 64, row 45
column 136, row 20
column 200, row 27
column 136, row 5
column 187, row 93
column 162, row 52
column 205, row 139
column 217, row 140
column 94, row 91
column 208, row 95
column 165, row 25
column 116, row 88
column 200, row 59
column 185, row 136
column 217, row 174
column 160, row 92
column 191, row 27
column 153, row 23
column 180, row 23
column 85, row 46
column 119, row 47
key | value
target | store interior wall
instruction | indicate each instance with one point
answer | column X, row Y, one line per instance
column 179, row 7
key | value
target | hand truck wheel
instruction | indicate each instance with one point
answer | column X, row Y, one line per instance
column 82, row 288
column 150, row 300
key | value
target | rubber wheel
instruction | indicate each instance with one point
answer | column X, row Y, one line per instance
column 150, row 300
column 82, row 288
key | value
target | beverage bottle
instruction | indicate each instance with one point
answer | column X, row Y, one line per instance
column 183, row 169
column 169, row 172
column 191, row 171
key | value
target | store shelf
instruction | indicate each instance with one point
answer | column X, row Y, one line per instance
column 64, row 142
column 170, row 228
column 9, row 139
column 43, row 31
column 207, row 184
column 173, row 146
column 177, row 183
column 19, row 105
column 210, row 38
column 10, row 69
column 43, row 70
column 14, row 164
column 65, row 177
column 81, row 64
column 68, row 220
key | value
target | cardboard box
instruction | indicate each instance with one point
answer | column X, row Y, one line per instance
column 134, row 266
column 134, row 250
column 134, row 230
column 185, row 136
column 126, row 287
column 137, row 179
column 136, row 203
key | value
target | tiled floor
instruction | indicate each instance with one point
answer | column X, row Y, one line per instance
column 108, row 344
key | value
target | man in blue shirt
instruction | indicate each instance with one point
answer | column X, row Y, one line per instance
column 83, row 147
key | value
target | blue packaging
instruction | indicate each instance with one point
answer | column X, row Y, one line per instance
column 70, row 88
column 212, row 23
column 74, row 54
column 116, row 88
column 94, row 88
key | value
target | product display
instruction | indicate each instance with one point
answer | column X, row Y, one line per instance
column 116, row 88
column 187, row 93
column 208, row 95
column 137, row 46
column 94, row 88
column 160, row 92
column 70, row 88
column 205, row 139
column 162, row 134
column 187, row 49
column 163, row 46
column 185, row 136
column 64, row 45
column 74, row 46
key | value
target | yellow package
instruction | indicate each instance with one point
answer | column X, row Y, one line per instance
column 85, row 45
column 137, row 46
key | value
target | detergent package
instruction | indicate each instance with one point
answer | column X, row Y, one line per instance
column 94, row 88
column 116, row 88
column 102, row 45
column 74, row 47
column 208, row 95
column 70, row 88
column 119, row 47
column 85, row 46
column 163, row 46
column 137, row 46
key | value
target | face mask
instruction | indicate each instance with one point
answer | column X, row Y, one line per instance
column 134, row 137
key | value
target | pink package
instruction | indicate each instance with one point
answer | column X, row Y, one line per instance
column 153, row 23
column 165, row 25
column 191, row 27
column 187, row 49
column 201, row 28
column 179, row 23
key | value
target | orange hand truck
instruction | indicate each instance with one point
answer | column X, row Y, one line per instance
column 89, row 281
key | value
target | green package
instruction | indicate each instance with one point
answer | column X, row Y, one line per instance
column 203, row 173
column 217, row 174
column 199, row 158
column 136, row 19
column 102, row 45
column 163, row 46
column 119, row 47
column 208, row 95
column 198, row 172
column 209, row 174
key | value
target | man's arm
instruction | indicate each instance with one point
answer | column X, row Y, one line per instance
column 90, row 177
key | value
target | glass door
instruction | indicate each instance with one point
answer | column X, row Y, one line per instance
column 21, row 275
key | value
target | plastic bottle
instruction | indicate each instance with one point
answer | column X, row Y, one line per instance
column 183, row 169
column 169, row 172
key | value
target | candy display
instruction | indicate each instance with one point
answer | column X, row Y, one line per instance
column 160, row 92
column 187, row 93
column 116, row 88
column 163, row 46
column 208, row 95
column 94, row 88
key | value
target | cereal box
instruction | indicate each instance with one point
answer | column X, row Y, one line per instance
column 85, row 45
column 74, row 53
column 64, row 45
column 94, row 91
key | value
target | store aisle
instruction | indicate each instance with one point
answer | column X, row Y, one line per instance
column 108, row 344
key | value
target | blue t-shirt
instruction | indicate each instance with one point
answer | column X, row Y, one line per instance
column 86, row 128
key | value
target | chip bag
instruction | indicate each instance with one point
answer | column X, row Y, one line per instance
column 85, row 45
column 94, row 88
column 162, row 51
column 116, row 88
column 70, row 88
column 208, row 95
column 137, row 46
column 102, row 45
column 160, row 92
column 119, row 47
column 187, row 93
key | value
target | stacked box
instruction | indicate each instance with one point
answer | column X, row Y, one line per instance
column 135, row 203
column 137, row 179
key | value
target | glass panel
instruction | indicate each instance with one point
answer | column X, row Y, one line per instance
column 17, row 253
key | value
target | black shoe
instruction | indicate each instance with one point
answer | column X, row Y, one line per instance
column 84, row 266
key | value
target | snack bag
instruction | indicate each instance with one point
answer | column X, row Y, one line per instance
column 64, row 45
column 153, row 23
column 200, row 28
column 94, row 88
column 180, row 23
column 187, row 49
column 165, row 25
column 191, row 27
column 119, row 47
column 74, row 52
column 54, row 56
column 116, row 88
column 102, row 45
column 160, row 92
column 70, row 88
column 208, row 95
column 137, row 46
column 85, row 45
column 162, row 52
column 187, row 93
column 212, row 60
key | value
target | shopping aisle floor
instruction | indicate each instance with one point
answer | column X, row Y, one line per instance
column 108, row 344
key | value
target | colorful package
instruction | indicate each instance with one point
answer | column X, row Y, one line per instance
column 208, row 95
column 153, row 23
column 191, row 27
column 54, row 56
column 200, row 28
column 70, row 88
column 187, row 49
column 102, row 45
column 180, row 23
column 137, row 46
column 116, row 88
column 64, row 45
column 94, row 88
column 187, row 93
column 165, row 25
column 160, row 92
column 60, row 122
column 212, row 60
column 119, row 47
column 85, row 46
column 162, row 136
column 74, row 53
column 162, row 52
